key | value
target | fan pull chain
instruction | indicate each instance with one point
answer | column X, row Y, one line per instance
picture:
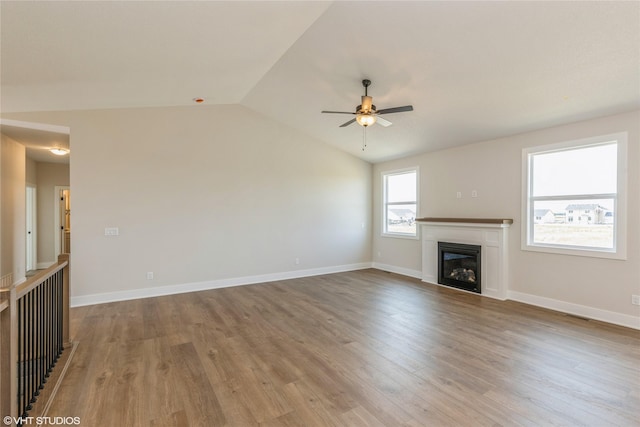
column 364, row 137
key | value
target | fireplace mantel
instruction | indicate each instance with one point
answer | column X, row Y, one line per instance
column 467, row 220
column 491, row 234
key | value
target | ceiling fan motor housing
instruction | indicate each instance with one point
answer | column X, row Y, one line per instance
column 359, row 109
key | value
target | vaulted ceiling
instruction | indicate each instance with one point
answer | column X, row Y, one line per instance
column 472, row 70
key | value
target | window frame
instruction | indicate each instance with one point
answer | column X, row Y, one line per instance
column 619, row 250
column 385, row 204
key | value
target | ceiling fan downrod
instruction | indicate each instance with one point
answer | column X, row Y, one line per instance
column 366, row 83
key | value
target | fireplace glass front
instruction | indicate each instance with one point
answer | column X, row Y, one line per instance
column 459, row 266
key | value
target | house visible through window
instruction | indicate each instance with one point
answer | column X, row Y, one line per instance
column 574, row 197
column 400, row 195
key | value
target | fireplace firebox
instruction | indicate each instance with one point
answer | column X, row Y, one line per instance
column 459, row 266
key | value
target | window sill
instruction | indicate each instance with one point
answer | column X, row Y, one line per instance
column 589, row 253
column 401, row 236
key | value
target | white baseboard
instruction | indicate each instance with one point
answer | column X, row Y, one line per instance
column 561, row 306
column 544, row 302
column 78, row 301
column 577, row 310
column 416, row 274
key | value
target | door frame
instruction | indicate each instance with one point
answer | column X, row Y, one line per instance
column 58, row 220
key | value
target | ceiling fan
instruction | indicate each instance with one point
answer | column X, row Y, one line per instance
column 366, row 113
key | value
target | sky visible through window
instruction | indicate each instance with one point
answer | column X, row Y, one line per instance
column 401, row 187
column 591, row 170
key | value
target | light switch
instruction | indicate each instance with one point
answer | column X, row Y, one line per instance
column 111, row 231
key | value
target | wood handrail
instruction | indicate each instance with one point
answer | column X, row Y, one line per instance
column 6, row 281
column 33, row 282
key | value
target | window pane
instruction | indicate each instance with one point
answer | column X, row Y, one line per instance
column 589, row 170
column 587, row 223
column 401, row 187
column 401, row 219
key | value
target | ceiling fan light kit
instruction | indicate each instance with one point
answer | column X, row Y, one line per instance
column 366, row 113
column 365, row 119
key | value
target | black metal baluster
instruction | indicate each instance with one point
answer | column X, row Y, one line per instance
column 32, row 359
column 47, row 328
column 20, row 353
column 43, row 352
column 51, row 330
column 36, row 327
column 55, row 324
column 60, row 317
column 25, row 361
column 57, row 320
column 39, row 341
column 25, row 357
column 27, row 379
column 32, row 344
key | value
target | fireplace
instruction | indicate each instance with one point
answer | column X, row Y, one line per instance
column 492, row 234
column 459, row 266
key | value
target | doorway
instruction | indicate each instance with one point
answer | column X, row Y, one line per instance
column 63, row 220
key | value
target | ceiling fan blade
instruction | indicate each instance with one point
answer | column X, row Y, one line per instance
column 337, row 112
column 347, row 123
column 383, row 122
column 396, row 109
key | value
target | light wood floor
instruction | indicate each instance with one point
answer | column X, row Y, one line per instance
column 364, row 348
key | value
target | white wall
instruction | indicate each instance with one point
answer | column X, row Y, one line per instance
column 31, row 172
column 12, row 209
column 590, row 286
column 206, row 193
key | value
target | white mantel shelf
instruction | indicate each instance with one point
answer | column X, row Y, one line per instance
column 468, row 221
column 491, row 234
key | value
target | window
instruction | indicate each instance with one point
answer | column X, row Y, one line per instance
column 400, row 201
column 587, row 177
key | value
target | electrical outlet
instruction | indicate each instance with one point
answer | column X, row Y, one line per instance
column 635, row 299
column 459, row 195
column 297, row 261
column 474, row 193
column 149, row 275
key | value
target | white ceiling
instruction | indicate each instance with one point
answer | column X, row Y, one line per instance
column 37, row 141
column 472, row 70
